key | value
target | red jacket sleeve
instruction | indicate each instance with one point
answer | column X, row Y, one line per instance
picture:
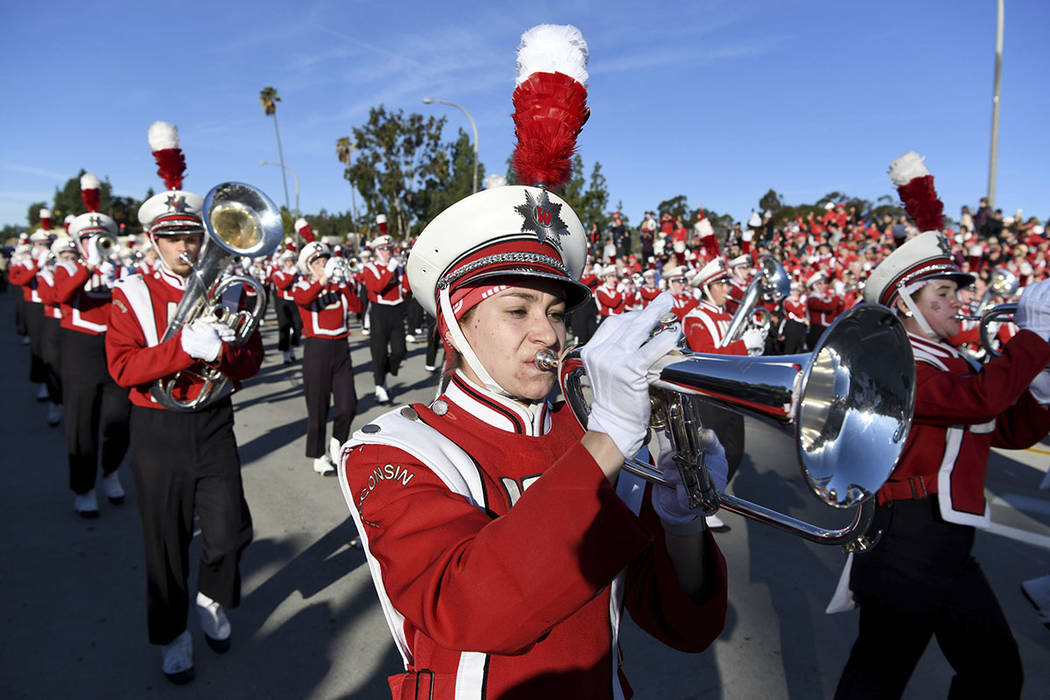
column 66, row 285
column 131, row 362
column 378, row 278
column 697, row 335
column 817, row 304
column 304, row 296
column 21, row 274
column 1022, row 425
column 282, row 280
column 944, row 398
column 444, row 559
column 353, row 300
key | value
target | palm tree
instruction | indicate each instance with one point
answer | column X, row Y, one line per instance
column 344, row 148
column 269, row 99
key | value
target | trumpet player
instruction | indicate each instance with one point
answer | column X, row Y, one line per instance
column 289, row 324
column 325, row 297
column 91, row 399
column 24, row 274
column 184, row 462
column 387, row 289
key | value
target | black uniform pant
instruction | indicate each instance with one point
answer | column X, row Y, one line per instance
column 413, row 314
column 289, row 324
column 387, row 328
column 34, row 317
column 813, row 336
column 93, row 401
column 185, row 463
column 794, row 338
column 584, row 321
column 51, row 340
column 20, row 306
column 328, row 374
column 920, row 581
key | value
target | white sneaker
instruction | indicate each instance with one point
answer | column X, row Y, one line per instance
column 430, row 368
column 715, row 523
column 334, row 447
column 41, row 393
column 381, row 395
column 364, row 331
column 176, row 659
column 323, row 466
column 410, row 338
column 113, row 489
column 54, row 414
column 86, row 504
column 214, row 623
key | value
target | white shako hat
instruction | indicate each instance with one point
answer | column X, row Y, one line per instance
column 64, row 244
column 310, row 252
column 740, row 261
column 814, row 278
column 925, row 257
column 674, row 272
column 711, row 272
column 92, row 222
column 176, row 210
column 385, row 239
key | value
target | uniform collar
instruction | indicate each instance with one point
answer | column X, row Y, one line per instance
column 170, row 278
column 498, row 411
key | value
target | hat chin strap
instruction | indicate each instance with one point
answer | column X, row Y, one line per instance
column 917, row 315
column 464, row 347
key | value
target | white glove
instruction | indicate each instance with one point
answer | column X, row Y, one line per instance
column 203, row 340
column 673, row 505
column 94, row 257
column 1033, row 309
column 753, row 339
column 1040, row 387
column 619, row 362
column 330, row 267
column 394, row 263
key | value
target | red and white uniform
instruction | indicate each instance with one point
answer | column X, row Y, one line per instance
column 283, row 281
column 136, row 357
column 795, row 309
column 385, row 287
column 632, row 300
column 705, row 327
column 23, row 274
column 610, row 300
column 325, row 310
column 962, row 410
column 648, row 294
column 487, row 590
column 45, row 289
column 84, row 297
column 824, row 308
column 737, row 290
column 683, row 304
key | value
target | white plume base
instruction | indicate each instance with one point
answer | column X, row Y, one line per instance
column 495, row 180
column 553, row 48
column 300, row 223
column 163, row 136
column 906, row 168
column 89, row 181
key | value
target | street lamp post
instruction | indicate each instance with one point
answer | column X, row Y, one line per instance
column 431, row 100
column 282, row 165
column 994, row 159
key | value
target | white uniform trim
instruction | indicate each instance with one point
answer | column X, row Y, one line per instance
column 137, row 294
column 459, row 473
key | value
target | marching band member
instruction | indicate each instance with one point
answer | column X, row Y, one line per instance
column 63, row 250
column 452, row 499
column 24, row 275
column 648, row 290
column 684, row 302
column 610, row 299
column 184, row 462
column 91, row 399
column 705, row 328
column 325, row 304
column 796, row 319
column 289, row 323
column 387, row 287
column 822, row 306
column 920, row 579
column 739, row 277
column 632, row 298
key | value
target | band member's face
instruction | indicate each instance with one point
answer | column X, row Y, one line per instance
column 40, row 247
column 938, row 302
column 67, row 256
column 383, row 254
column 719, row 291
column 173, row 247
column 677, row 286
column 317, row 267
column 506, row 331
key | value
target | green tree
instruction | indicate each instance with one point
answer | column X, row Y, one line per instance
column 400, row 167
column 589, row 198
column 771, row 201
column 677, row 207
column 460, row 180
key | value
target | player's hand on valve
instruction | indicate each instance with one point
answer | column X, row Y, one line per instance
column 753, row 340
column 672, row 505
column 203, row 339
column 1033, row 309
column 619, row 361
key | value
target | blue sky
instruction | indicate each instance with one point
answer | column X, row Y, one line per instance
column 717, row 100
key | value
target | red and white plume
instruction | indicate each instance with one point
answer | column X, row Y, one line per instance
column 89, row 191
column 915, row 186
column 171, row 164
column 304, row 230
column 45, row 219
column 550, row 103
column 381, row 223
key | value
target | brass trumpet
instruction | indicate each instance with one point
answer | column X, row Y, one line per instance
column 847, row 409
column 240, row 221
column 1003, row 283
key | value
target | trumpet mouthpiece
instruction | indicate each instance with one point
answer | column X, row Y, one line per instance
column 547, row 360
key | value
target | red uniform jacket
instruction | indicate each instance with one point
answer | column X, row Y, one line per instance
column 610, row 301
column 325, row 313
column 704, row 328
column 683, row 304
column 24, row 275
column 823, row 309
column 45, row 287
column 632, row 301
column 961, row 412
column 137, row 321
column 385, row 287
column 283, row 281
column 796, row 310
column 648, row 294
column 84, row 298
column 511, row 592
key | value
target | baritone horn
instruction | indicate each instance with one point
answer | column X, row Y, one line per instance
column 771, row 280
column 240, row 221
column 847, row 408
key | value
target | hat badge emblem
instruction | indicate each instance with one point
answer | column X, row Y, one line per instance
column 543, row 217
column 176, row 203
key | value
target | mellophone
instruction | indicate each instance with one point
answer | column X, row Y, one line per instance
column 847, row 406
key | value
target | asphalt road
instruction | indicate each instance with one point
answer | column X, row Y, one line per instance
column 309, row 625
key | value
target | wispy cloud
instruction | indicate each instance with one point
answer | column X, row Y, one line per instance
column 30, row 170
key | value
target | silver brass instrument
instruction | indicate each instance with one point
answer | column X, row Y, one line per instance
column 240, row 221
column 341, row 271
column 771, row 280
column 107, row 245
column 1003, row 283
column 847, row 406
